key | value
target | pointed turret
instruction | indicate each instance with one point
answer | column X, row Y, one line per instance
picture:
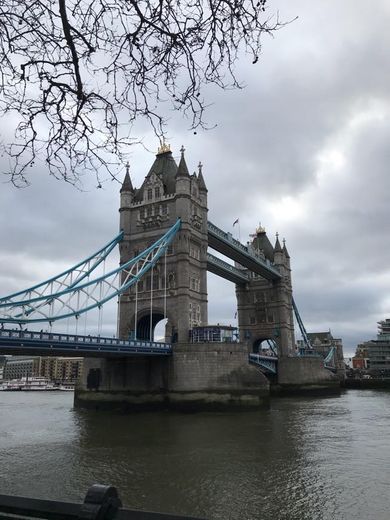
column 127, row 199
column 202, row 184
column 261, row 243
column 127, row 185
column 163, row 168
column 279, row 258
column 182, row 170
column 285, row 249
column 278, row 247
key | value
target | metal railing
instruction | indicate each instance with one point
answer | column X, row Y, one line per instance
column 268, row 364
column 51, row 340
column 246, row 251
column 221, row 266
column 100, row 503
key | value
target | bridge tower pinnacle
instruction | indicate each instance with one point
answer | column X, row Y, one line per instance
column 176, row 288
column 264, row 306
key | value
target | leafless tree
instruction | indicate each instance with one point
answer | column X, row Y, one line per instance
column 76, row 74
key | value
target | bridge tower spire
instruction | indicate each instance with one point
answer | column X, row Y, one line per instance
column 177, row 287
column 265, row 307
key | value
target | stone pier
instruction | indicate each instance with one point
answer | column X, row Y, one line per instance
column 197, row 377
column 304, row 375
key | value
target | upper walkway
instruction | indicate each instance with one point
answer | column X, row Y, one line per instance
column 227, row 245
column 229, row 272
column 30, row 343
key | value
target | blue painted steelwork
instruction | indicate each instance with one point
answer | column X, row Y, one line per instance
column 83, row 269
column 74, row 301
column 245, row 255
column 330, row 360
column 268, row 364
column 53, row 344
column 273, row 346
column 305, row 337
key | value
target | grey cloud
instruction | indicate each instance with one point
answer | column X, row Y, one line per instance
column 312, row 79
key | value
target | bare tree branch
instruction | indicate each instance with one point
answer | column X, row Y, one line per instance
column 77, row 73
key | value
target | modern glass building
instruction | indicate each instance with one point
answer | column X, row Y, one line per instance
column 377, row 351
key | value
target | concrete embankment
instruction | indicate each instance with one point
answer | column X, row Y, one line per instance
column 367, row 383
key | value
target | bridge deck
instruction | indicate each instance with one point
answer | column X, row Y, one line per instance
column 224, row 243
column 30, row 343
column 268, row 364
column 229, row 272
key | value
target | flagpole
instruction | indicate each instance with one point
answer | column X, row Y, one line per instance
column 237, row 221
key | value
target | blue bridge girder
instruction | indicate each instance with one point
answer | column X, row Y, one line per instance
column 229, row 272
column 227, row 245
column 268, row 364
column 330, row 360
column 31, row 343
column 74, row 300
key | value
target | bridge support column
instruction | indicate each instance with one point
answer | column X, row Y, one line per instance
column 196, row 377
column 304, row 375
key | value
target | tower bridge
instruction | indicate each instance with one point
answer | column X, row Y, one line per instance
column 164, row 247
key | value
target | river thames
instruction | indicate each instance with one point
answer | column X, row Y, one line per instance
column 323, row 458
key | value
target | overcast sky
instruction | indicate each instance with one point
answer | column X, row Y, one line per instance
column 304, row 149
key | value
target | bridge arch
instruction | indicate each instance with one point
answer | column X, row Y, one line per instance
column 146, row 325
column 262, row 343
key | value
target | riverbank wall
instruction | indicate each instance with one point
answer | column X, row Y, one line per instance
column 369, row 384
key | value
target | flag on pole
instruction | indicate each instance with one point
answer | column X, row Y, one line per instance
column 235, row 222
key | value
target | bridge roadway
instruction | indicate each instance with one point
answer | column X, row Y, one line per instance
column 229, row 272
column 268, row 364
column 30, row 343
column 227, row 245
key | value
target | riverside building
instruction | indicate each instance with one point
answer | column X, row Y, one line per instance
column 59, row 369
column 376, row 352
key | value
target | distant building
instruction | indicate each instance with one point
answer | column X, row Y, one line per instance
column 60, row 369
column 2, row 363
column 374, row 355
column 17, row 367
column 360, row 363
column 322, row 342
column 214, row 333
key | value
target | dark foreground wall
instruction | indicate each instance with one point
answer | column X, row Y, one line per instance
column 196, row 377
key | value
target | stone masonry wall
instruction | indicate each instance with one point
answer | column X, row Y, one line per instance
column 304, row 371
column 195, row 377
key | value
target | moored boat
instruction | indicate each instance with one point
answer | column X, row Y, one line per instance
column 28, row 384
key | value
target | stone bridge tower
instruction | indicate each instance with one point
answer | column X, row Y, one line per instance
column 176, row 288
column 265, row 307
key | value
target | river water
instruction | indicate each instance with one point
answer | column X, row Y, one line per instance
column 322, row 458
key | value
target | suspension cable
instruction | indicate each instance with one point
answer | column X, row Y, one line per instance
column 165, row 285
column 136, row 305
column 86, row 313
column 136, row 311
column 151, row 304
column 77, row 315
column 101, row 308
